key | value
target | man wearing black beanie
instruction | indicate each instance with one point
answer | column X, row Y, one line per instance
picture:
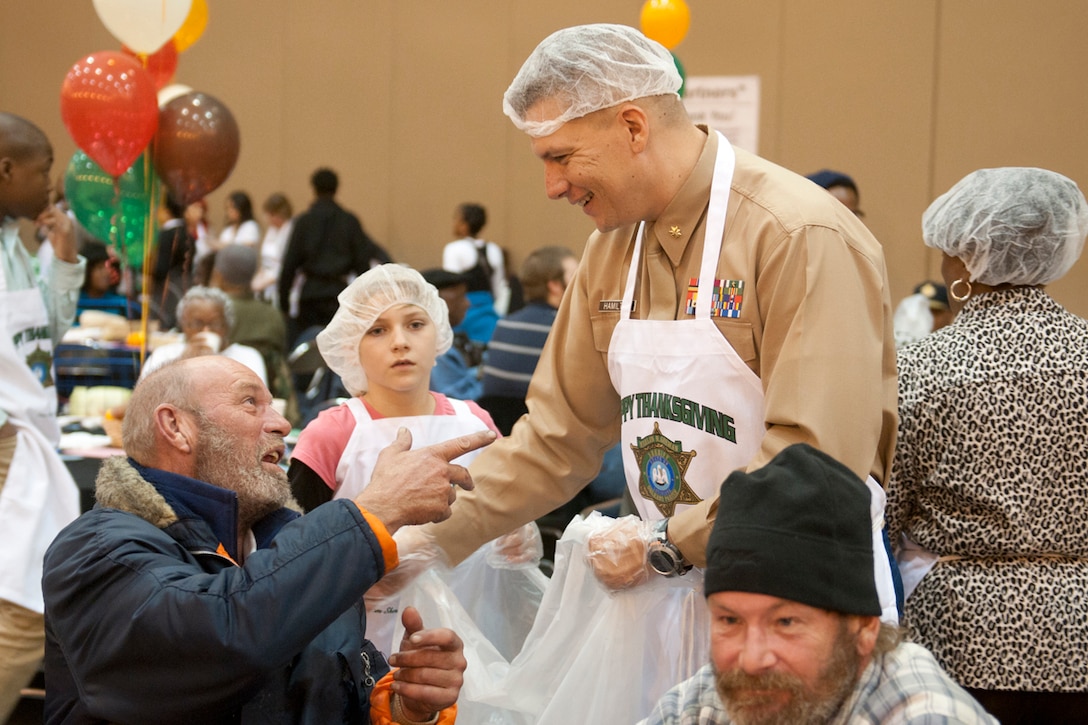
column 795, row 633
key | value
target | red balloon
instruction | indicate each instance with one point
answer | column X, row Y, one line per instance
column 196, row 146
column 109, row 106
column 162, row 64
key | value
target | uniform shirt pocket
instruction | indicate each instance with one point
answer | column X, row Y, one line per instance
column 603, row 324
column 739, row 335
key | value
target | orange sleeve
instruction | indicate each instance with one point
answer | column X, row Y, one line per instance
column 381, row 705
column 389, row 547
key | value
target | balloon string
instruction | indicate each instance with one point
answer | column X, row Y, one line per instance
column 117, row 224
column 117, row 234
column 149, row 238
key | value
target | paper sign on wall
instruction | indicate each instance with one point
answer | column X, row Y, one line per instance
column 729, row 104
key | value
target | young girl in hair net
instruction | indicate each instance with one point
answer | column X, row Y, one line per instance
column 383, row 342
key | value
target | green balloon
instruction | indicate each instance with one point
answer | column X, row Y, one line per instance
column 683, row 75
column 116, row 215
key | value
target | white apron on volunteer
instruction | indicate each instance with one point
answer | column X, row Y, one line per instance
column 505, row 617
column 692, row 410
column 39, row 497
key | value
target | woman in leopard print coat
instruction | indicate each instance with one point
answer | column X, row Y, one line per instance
column 990, row 479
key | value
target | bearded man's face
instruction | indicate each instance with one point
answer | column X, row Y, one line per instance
column 245, row 459
column 779, row 661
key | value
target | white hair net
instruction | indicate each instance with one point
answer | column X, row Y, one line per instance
column 1015, row 225
column 913, row 320
column 587, row 68
column 361, row 302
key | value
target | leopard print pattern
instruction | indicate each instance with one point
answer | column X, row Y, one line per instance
column 991, row 470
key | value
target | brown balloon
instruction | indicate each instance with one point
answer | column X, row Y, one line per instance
column 196, row 146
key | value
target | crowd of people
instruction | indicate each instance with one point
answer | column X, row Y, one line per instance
column 880, row 515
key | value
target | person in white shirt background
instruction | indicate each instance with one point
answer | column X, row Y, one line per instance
column 279, row 217
column 241, row 227
column 484, row 264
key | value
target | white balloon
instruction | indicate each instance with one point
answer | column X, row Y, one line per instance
column 143, row 25
column 172, row 91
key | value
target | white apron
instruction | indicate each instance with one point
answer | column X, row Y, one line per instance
column 39, row 497
column 502, row 602
column 692, row 410
column 370, row 436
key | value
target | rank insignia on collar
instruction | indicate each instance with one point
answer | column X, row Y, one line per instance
column 662, row 464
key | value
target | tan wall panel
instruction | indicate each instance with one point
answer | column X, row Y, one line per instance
column 838, row 59
column 1010, row 92
column 44, row 39
column 334, row 80
column 446, row 121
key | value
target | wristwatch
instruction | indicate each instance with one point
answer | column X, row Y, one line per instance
column 663, row 556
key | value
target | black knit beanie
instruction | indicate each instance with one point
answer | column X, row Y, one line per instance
column 799, row 529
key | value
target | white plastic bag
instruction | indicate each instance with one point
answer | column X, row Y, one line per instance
column 597, row 656
column 491, row 609
column 591, row 655
column 481, row 699
column 502, row 603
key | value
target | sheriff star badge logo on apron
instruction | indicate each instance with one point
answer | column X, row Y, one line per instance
column 662, row 464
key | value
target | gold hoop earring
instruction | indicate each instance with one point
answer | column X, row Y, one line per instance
column 952, row 290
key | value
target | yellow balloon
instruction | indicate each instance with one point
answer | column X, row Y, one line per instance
column 665, row 21
column 193, row 27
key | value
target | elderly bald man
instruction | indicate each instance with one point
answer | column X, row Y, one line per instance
column 193, row 592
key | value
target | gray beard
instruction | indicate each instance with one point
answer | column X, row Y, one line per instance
column 805, row 706
column 223, row 464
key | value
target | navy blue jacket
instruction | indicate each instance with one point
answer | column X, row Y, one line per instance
column 149, row 618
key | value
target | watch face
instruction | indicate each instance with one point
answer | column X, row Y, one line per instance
column 662, row 560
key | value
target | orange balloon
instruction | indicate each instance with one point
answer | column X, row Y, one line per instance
column 665, row 21
column 193, row 27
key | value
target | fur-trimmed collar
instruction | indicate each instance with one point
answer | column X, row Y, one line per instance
column 120, row 486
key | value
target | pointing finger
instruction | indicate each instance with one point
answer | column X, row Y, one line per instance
column 461, row 445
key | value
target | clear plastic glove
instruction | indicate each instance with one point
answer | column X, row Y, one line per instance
column 522, row 548
column 617, row 554
column 417, row 551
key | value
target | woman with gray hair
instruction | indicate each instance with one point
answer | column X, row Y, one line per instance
column 205, row 316
column 989, row 487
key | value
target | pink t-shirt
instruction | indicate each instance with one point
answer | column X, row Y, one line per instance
column 323, row 441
